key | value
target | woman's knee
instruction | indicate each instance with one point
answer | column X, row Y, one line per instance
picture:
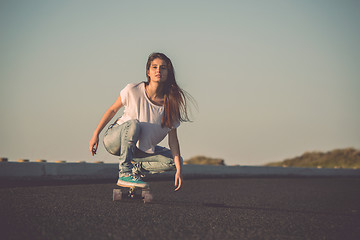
column 111, row 142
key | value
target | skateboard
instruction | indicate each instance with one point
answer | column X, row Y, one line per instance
column 123, row 193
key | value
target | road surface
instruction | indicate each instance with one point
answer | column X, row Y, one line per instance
column 238, row 208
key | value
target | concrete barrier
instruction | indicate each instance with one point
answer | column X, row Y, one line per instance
column 261, row 171
column 83, row 170
column 61, row 170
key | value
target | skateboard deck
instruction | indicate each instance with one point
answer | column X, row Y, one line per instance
column 131, row 193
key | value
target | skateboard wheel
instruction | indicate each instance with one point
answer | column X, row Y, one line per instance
column 144, row 192
column 148, row 197
column 117, row 194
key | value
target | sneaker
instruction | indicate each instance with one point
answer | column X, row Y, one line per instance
column 131, row 181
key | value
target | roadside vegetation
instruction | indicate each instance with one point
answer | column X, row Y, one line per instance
column 202, row 160
column 338, row 158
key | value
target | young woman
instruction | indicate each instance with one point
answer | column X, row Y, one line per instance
column 153, row 109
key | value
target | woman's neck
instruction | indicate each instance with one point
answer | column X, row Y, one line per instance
column 154, row 93
column 154, row 90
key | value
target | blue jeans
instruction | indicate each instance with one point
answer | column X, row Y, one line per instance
column 120, row 140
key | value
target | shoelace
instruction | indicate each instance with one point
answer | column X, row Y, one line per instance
column 136, row 171
column 136, row 178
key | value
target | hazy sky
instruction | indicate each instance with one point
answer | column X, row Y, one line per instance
column 272, row 79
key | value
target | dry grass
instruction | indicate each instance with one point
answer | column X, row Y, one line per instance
column 338, row 158
column 202, row 160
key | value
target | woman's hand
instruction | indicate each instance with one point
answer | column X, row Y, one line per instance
column 93, row 144
column 175, row 150
column 178, row 180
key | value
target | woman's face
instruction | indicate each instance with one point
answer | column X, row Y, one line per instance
column 158, row 71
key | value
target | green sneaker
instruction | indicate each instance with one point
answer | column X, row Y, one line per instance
column 131, row 181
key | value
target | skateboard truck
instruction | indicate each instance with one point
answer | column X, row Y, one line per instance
column 130, row 193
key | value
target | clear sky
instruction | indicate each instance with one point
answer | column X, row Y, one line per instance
column 272, row 79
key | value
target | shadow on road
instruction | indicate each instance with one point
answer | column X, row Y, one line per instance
column 353, row 213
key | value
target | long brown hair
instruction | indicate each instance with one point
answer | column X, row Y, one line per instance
column 175, row 99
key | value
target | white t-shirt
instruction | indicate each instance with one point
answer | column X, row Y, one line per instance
column 138, row 106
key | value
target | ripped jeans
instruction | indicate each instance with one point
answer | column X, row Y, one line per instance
column 120, row 140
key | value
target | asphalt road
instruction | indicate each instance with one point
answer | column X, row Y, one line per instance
column 242, row 208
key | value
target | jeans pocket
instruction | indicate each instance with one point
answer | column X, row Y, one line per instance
column 110, row 127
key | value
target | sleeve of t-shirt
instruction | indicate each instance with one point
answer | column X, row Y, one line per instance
column 124, row 94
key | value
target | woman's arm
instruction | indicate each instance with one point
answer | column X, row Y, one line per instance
column 175, row 150
column 108, row 115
